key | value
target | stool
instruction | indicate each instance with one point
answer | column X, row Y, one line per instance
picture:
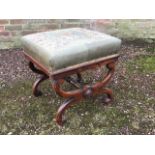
column 60, row 54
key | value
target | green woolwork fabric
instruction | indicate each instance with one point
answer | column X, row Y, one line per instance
column 62, row 48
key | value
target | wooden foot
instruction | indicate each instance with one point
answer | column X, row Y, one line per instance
column 67, row 103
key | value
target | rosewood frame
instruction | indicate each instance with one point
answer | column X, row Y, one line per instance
column 83, row 91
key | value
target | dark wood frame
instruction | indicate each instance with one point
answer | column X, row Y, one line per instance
column 83, row 91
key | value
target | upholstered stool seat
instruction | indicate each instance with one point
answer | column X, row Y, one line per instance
column 67, row 47
column 58, row 55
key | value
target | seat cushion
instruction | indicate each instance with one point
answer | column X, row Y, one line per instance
column 62, row 48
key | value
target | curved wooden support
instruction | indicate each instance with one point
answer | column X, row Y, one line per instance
column 43, row 77
column 66, row 94
column 111, row 68
column 34, row 69
column 80, row 93
column 36, row 91
column 66, row 104
column 85, row 92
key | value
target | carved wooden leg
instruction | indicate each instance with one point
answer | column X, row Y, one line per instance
column 43, row 77
column 36, row 91
column 67, row 103
column 83, row 92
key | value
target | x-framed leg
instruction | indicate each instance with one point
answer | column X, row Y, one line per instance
column 83, row 91
column 87, row 91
